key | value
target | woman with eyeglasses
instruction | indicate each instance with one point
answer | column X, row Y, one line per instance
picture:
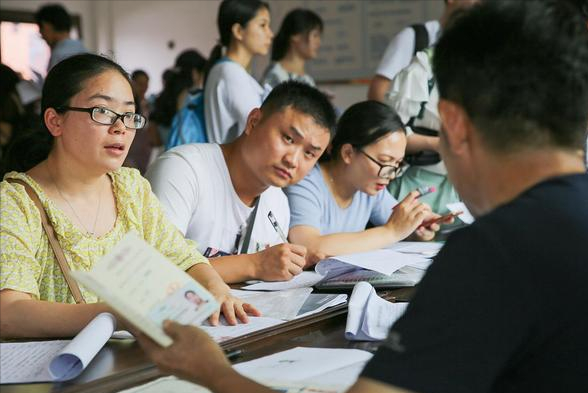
column 332, row 206
column 91, row 202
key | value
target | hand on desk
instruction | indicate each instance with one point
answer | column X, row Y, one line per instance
column 280, row 262
column 232, row 307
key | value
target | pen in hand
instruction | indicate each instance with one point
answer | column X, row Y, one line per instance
column 276, row 226
column 423, row 190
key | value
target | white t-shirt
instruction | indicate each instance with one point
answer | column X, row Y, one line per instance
column 400, row 50
column 229, row 96
column 277, row 74
column 194, row 186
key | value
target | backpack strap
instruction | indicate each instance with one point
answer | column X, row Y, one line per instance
column 421, row 37
column 71, row 283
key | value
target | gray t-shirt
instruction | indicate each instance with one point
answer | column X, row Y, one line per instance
column 312, row 204
column 64, row 49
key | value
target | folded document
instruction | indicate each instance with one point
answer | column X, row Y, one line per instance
column 57, row 360
column 370, row 317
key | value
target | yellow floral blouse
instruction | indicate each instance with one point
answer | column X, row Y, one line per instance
column 27, row 262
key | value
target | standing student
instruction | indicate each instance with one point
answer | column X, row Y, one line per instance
column 230, row 92
column 91, row 203
column 405, row 45
column 331, row 207
column 221, row 195
column 503, row 306
column 297, row 42
column 54, row 26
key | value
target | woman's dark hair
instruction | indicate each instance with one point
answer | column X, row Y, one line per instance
column 63, row 82
column 191, row 59
column 229, row 13
column 166, row 104
column 363, row 124
column 297, row 21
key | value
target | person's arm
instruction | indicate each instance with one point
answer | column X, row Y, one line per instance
column 278, row 263
column 416, row 143
column 379, row 86
column 396, row 56
column 405, row 219
column 25, row 317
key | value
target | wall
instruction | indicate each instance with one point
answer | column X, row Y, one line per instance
column 143, row 32
column 136, row 33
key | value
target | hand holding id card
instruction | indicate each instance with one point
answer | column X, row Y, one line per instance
column 144, row 286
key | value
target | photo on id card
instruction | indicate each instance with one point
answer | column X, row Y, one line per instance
column 187, row 304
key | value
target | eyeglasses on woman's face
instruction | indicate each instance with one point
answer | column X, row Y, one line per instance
column 386, row 171
column 101, row 115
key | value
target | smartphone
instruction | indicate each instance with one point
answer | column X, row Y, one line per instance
column 440, row 219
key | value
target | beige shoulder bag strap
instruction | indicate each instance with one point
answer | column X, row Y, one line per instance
column 71, row 283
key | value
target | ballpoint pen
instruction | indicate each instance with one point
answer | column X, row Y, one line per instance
column 276, row 226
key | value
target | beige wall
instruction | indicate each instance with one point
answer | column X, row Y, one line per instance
column 136, row 33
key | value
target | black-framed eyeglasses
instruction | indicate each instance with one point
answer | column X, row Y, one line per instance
column 133, row 121
column 386, row 171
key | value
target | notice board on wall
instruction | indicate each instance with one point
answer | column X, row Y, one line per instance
column 356, row 32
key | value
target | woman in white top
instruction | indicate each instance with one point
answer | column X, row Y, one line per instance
column 298, row 41
column 230, row 92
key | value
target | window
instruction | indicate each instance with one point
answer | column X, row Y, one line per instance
column 21, row 45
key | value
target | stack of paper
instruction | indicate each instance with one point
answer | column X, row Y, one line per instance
column 385, row 261
column 290, row 304
column 370, row 317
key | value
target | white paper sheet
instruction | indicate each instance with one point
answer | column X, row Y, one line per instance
column 466, row 216
column 61, row 360
column 300, row 364
column 28, row 361
column 298, row 370
column 424, row 249
column 304, row 279
column 224, row 332
column 370, row 317
column 280, row 304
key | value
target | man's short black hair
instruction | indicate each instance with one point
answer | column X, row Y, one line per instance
column 520, row 71
column 303, row 98
column 56, row 16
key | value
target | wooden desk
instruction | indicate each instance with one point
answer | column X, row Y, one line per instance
column 121, row 364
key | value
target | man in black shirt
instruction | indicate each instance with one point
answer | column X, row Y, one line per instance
column 504, row 306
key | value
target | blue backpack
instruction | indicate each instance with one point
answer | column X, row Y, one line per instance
column 188, row 125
